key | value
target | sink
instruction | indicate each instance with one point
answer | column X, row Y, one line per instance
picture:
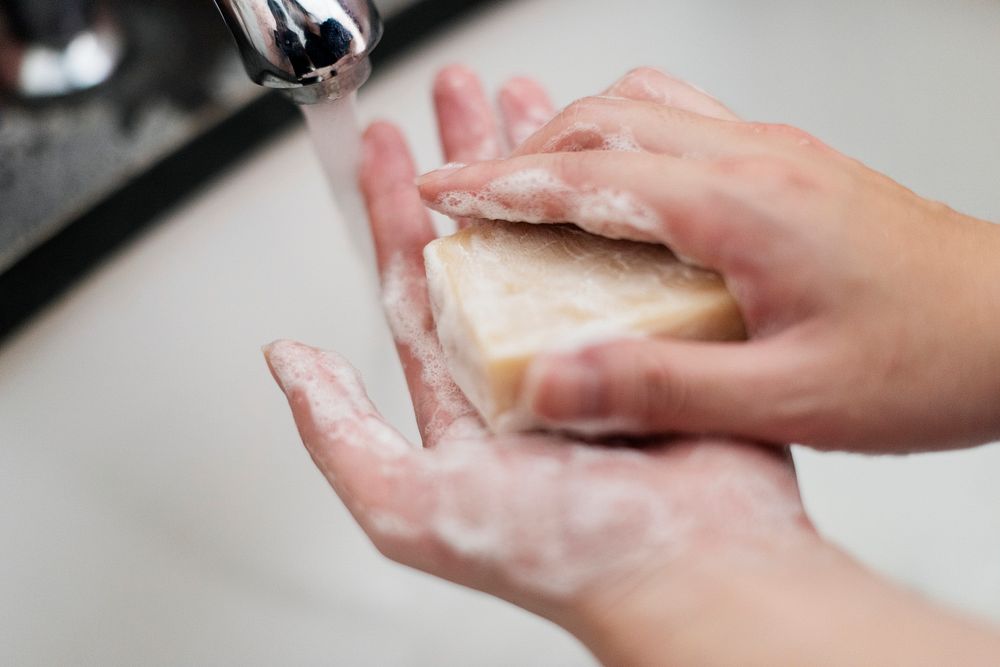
column 157, row 506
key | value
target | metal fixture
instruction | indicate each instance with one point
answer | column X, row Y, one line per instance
column 313, row 50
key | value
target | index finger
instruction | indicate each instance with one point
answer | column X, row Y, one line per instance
column 633, row 196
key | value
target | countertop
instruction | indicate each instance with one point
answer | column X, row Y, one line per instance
column 156, row 506
column 180, row 77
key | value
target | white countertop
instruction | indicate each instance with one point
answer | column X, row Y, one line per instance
column 156, row 506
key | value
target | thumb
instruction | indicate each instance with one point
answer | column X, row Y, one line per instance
column 641, row 387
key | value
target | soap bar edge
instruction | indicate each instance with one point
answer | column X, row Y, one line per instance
column 462, row 374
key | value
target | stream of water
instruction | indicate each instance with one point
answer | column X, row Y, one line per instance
column 336, row 133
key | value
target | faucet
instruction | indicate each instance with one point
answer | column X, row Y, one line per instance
column 312, row 50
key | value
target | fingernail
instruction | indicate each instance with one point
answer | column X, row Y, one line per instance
column 438, row 174
column 563, row 388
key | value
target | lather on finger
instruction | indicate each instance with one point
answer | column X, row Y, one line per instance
column 467, row 126
column 346, row 437
column 402, row 227
column 390, row 487
column 634, row 196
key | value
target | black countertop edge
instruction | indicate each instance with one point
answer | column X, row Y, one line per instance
column 54, row 266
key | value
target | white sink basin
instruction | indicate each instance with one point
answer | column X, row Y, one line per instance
column 156, row 506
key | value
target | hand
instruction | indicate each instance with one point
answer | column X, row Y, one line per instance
column 873, row 313
column 566, row 529
column 681, row 552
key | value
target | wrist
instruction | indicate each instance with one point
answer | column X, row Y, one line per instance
column 687, row 612
column 992, row 303
column 796, row 603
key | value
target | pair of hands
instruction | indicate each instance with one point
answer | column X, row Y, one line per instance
column 550, row 523
column 844, row 350
column 872, row 313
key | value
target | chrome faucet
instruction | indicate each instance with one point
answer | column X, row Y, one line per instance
column 312, row 50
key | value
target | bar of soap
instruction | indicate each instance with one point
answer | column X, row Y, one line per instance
column 505, row 292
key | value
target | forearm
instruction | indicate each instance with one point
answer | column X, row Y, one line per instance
column 811, row 605
column 992, row 304
column 974, row 372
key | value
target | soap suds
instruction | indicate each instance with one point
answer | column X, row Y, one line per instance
column 530, row 195
column 543, row 515
column 592, row 526
column 450, row 326
column 392, row 525
column 339, row 406
column 404, row 299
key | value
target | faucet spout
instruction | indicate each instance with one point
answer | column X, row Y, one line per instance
column 312, row 50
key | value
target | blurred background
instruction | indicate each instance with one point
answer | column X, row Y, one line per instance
column 161, row 218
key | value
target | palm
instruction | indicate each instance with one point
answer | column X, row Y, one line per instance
column 531, row 518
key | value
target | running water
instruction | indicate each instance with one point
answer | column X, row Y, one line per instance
column 336, row 133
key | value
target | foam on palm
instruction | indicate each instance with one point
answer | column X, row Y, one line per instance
column 404, row 298
column 542, row 515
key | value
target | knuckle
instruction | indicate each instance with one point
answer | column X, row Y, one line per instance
column 573, row 111
column 646, row 83
column 741, row 166
column 563, row 128
column 659, row 395
column 584, row 108
column 767, row 174
column 782, row 130
column 666, row 397
column 643, row 73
